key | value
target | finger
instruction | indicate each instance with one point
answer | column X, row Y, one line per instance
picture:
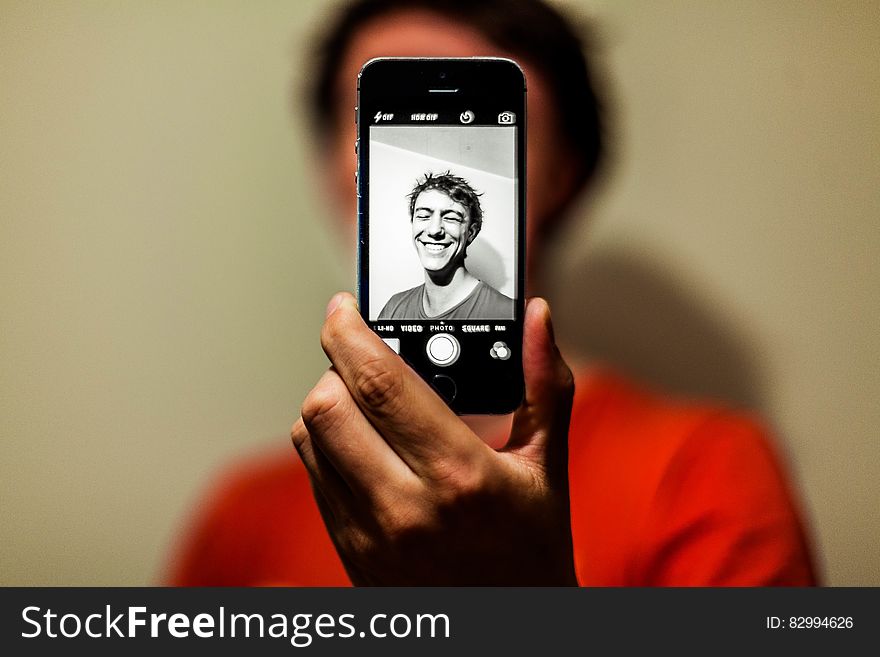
column 540, row 425
column 335, row 502
column 331, row 491
column 417, row 424
column 338, row 428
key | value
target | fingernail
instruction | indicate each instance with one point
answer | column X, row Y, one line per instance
column 334, row 303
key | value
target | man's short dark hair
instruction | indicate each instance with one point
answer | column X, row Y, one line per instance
column 529, row 29
column 456, row 188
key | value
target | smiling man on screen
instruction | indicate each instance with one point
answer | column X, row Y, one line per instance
column 446, row 216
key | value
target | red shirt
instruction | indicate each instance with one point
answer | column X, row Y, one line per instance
column 662, row 494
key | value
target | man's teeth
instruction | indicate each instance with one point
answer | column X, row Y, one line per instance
column 434, row 248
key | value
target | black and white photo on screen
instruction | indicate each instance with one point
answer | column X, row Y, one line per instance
column 442, row 227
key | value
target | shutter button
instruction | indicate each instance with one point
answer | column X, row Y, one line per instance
column 443, row 349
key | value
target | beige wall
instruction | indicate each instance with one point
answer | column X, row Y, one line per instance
column 164, row 264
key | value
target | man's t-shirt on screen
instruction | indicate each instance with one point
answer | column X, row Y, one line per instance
column 485, row 302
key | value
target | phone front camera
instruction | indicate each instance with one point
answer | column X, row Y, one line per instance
column 442, row 75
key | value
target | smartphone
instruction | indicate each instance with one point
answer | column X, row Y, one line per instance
column 441, row 215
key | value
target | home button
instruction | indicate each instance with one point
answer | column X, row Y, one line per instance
column 445, row 386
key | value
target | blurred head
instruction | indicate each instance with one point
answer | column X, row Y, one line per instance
column 564, row 136
column 446, row 217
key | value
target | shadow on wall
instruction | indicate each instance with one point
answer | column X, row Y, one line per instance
column 484, row 262
column 625, row 309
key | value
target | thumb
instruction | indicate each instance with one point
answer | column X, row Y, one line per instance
column 540, row 425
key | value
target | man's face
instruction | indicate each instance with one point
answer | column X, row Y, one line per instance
column 441, row 230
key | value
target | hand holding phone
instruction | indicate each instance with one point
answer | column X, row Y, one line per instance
column 410, row 495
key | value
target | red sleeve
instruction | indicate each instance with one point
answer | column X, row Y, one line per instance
column 210, row 546
column 258, row 526
column 722, row 514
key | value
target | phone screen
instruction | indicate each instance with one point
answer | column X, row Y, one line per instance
column 443, row 208
column 441, row 166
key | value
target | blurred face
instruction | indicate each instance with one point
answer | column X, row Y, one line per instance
column 550, row 167
column 441, row 230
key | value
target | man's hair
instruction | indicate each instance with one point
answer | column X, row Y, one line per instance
column 529, row 29
column 456, row 188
